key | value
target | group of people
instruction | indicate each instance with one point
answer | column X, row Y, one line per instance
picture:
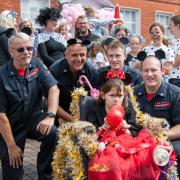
column 35, row 92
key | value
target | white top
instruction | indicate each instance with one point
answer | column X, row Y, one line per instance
column 150, row 50
column 99, row 59
column 176, row 49
column 45, row 36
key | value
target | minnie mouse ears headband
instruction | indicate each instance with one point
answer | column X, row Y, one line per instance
column 125, row 77
column 78, row 41
column 160, row 54
column 124, row 40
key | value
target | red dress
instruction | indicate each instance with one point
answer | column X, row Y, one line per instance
column 131, row 160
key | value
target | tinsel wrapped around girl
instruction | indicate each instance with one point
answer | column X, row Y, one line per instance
column 119, row 153
column 120, row 156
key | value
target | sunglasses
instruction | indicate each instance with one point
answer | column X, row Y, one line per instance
column 21, row 50
column 12, row 13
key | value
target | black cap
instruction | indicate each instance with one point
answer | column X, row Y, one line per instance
column 78, row 41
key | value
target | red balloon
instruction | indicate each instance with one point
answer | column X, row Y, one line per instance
column 115, row 116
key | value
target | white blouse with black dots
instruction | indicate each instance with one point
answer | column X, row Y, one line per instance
column 176, row 49
column 150, row 50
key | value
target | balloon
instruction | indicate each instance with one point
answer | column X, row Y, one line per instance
column 69, row 19
column 64, row 12
column 65, row 6
column 68, row 27
column 115, row 116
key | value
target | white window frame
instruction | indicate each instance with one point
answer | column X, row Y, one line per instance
column 126, row 22
column 138, row 23
column 167, row 14
column 28, row 14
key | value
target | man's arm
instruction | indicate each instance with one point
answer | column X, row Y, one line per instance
column 177, row 61
column 15, row 153
column 53, row 100
column 174, row 132
column 61, row 113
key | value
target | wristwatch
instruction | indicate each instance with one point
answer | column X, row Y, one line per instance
column 50, row 114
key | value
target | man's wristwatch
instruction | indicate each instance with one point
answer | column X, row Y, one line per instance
column 50, row 114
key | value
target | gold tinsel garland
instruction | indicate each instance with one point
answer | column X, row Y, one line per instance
column 68, row 161
column 67, row 157
column 157, row 126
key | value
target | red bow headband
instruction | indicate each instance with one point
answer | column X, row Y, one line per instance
column 112, row 74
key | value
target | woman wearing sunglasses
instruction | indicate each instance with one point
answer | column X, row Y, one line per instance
column 7, row 28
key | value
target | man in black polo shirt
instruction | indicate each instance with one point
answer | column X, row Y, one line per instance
column 68, row 71
column 23, row 83
column 116, row 58
column 160, row 99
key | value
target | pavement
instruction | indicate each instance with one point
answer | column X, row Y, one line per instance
column 30, row 156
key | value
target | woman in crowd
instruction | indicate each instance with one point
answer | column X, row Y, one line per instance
column 120, row 31
column 7, row 24
column 25, row 25
column 157, row 31
column 63, row 29
column 51, row 45
column 175, row 30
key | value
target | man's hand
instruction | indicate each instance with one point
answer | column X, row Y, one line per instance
column 44, row 127
column 15, row 156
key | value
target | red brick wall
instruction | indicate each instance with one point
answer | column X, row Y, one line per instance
column 147, row 11
column 54, row 3
column 15, row 5
column 10, row 5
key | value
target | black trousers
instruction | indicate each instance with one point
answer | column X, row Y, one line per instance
column 44, row 158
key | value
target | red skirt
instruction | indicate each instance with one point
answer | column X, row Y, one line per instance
column 132, row 160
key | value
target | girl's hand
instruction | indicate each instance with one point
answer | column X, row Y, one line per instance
column 125, row 125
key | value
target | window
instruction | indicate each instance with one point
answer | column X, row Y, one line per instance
column 164, row 18
column 30, row 9
column 131, row 20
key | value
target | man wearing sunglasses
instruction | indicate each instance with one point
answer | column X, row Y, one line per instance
column 23, row 83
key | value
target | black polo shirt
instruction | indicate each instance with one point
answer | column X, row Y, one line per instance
column 135, row 74
column 67, row 82
column 21, row 97
column 165, row 104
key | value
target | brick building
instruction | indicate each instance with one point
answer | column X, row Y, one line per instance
column 138, row 15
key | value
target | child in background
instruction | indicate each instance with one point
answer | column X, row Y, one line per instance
column 97, row 56
column 135, row 44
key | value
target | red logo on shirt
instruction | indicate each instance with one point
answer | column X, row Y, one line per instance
column 162, row 104
column 33, row 72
